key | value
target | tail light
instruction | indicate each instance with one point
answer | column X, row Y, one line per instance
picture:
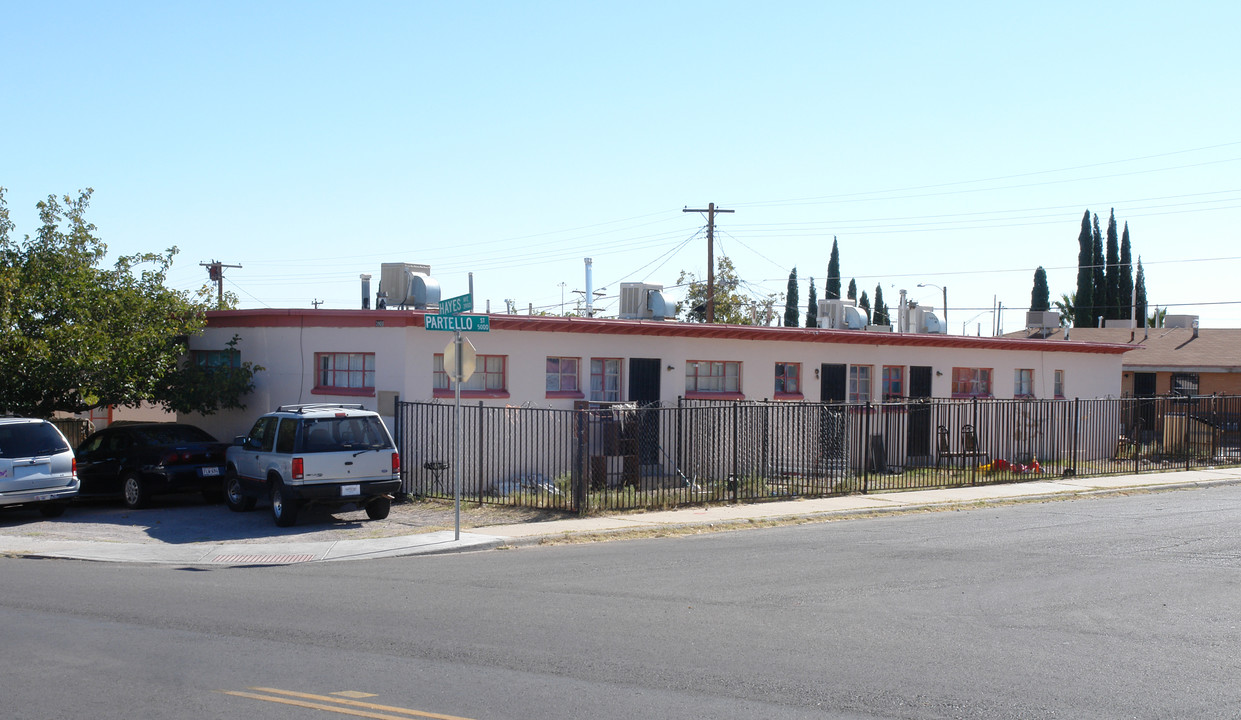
column 75, row 467
column 298, row 472
column 396, row 462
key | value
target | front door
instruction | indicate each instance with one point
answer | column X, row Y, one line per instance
column 833, row 388
column 919, row 443
column 644, row 391
column 1144, row 387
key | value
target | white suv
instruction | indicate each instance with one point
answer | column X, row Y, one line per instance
column 322, row 454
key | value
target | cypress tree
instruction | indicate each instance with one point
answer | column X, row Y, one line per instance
column 832, row 291
column 1098, row 281
column 852, row 293
column 1040, row 296
column 1126, row 275
column 812, row 307
column 881, row 310
column 1114, row 302
column 1082, row 298
column 791, row 312
column 1140, row 291
column 864, row 303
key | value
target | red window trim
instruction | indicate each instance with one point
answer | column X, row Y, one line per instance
column 348, row 392
column 788, row 396
column 574, row 394
column 700, row 395
column 476, row 394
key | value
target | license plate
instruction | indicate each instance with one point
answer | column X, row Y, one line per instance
column 350, row 490
column 209, row 471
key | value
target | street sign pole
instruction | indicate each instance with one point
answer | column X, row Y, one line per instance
column 458, row 374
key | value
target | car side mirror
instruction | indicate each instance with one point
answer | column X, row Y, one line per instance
column 240, row 440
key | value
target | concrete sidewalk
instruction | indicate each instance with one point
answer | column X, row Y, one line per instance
column 719, row 517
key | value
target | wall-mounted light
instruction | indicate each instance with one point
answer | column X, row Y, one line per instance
column 816, row 373
column 939, row 373
column 671, row 368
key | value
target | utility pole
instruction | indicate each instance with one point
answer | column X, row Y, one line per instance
column 215, row 271
column 316, row 303
column 710, row 211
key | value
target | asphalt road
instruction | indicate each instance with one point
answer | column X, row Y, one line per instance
column 1117, row 607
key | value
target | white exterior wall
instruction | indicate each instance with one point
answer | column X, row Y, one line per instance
column 405, row 355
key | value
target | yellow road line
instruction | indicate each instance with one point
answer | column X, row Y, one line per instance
column 368, row 710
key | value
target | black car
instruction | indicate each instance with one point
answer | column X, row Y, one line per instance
column 137, row 461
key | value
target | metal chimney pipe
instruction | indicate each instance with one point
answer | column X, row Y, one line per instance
column 902, row 320
column 590, row 290
column 366, row 291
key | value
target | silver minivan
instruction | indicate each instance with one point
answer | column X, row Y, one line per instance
column 37, row 466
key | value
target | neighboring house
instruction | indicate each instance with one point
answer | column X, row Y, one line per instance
column 373, row 357
column 1178, row 360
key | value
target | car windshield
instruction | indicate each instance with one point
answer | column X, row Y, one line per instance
column 173, row 435
column 347, row 433
column 29, row 439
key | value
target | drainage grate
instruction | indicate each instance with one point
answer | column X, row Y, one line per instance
column 263, row 559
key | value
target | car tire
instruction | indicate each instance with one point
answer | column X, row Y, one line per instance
column 134, row 491
column 377, row 509
column 283, row 509
column 234, row 497
column 52, row 510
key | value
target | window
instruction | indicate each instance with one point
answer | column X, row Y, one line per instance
column 1059, row 389
column 605, row 379
column 715, row 377
column 216, row 358
column 490, row 378
column 859, row 383
column 562, row 377
column 788, row 379
column 1023, row 383
column 1184, row 384
column 345, row 373
column 971, row 382
column 893, row 382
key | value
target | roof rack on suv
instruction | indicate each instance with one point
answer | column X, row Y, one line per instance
column 303, row 407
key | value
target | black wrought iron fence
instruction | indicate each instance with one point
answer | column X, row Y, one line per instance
column 617, row 456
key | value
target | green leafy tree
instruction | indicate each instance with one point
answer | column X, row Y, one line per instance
column 812, row 307
column 1040, row 295
column 1098, row 297
column 881, row 310
column 1126, row 274
column 1085, row 279
column 791, row 311
column 78, row 336
column 832, row 291
column 1112, row 271
column 730, row 305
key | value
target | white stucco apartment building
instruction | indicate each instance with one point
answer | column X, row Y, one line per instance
column 374, row 356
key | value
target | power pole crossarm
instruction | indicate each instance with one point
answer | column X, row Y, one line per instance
column 710, row 210
column 215, row 271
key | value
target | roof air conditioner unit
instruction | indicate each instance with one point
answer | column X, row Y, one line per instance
column 1042, row 319
column 396, row 282
column 645, row 301
column 840, row 315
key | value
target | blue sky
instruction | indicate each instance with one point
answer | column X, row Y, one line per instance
column 954, row 144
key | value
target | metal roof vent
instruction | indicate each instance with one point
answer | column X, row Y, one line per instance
column 840, row 315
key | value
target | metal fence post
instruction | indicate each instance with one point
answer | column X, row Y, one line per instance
column 866, row 460
column 736, row 440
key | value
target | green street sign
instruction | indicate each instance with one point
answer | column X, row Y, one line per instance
column 462, row 323
column 455, row 305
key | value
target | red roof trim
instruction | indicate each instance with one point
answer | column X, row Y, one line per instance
column 601, row 326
